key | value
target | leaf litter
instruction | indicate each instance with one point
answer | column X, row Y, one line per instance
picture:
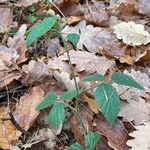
column 109, row 31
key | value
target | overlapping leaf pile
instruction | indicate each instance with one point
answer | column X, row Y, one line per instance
column 113, row 37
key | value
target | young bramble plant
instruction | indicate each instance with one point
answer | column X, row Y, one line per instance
column 105, row 94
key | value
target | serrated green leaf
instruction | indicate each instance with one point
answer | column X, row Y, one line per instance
column 40, row 29
column 69, row 95
column 108, row 101
column 76, row 146
column 93, row 77
column 57, row 115
column 48, row 101
column 91, row 140
column 124, row 79
column 73, row 38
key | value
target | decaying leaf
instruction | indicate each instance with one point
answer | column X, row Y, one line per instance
column 144, row 7
column 131, row 33
column 141, row 137
column 137, row 111
column 91, row 37
column 35, row 71
column 6, row 19
column 26, row 2
column 25, row 112
column 18, row 44
column 7, row 77
column 116, row 135
column 89, row 62
column 9, row 135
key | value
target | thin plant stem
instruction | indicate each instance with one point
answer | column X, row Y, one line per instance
column 77, row 89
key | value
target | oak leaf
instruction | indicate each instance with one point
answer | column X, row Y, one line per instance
column 89, row 62
column 141, row 137
column 91, row 37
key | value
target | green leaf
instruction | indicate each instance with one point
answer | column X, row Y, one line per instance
column 57, row 115
column 40, row 29
column 73, row 38
column 33, row 18
column 124, row 79
column 91, row 140
column 69, row 95
column 48, row 100
column 93, row 77
column 76, row 146
column 108, row 101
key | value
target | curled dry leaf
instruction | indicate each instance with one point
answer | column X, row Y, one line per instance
column 91, row 37
column 18, row 44
column 9, row 135
column 137, row 111
column 131, row 33
column 116, row 135
column 89, row 62
column 6, row 19
column 141, row 137
column 25, row 112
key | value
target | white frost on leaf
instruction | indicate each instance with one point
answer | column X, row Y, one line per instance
column 131, row 33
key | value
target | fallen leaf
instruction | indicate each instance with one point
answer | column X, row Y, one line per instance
column 131, row 33
column 87, row 118
column 7, row 77
column 18, row 44
column 144, row 7
column 26, row 3
column 91, row 102
column 141, row 137
column 89, row 62
column 6, row 19
column 8, row 133
column 73, row 19
column 91, row 37
column 25, row 113
column 35, row 71
column 137, row 111
column 116, row 135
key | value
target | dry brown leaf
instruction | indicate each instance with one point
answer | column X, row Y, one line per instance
column 89, row 62
column 35, row 71
column 6, row 19
column 131, row 33
column 25, row 112
column 91, row 102
column 141, row 137
column 73, row 19
column 137, row 111
column 18, row 44
column 7, row 77
column 144, row 7
column 116, row 135
column 91, row 37
column 87, row 118
column 9, row 135
column 26, row 2
column 132, row 93
column 62, row 73
column 100, row 18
